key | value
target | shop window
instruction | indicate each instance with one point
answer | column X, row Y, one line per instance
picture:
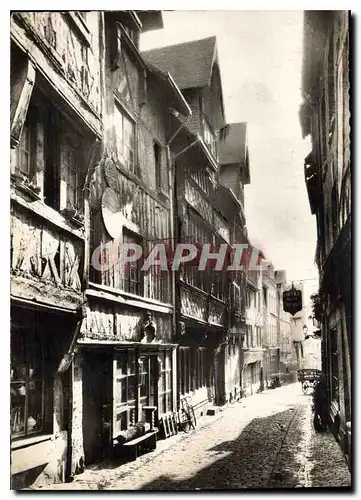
column 124, row 391
column 132, row 273
column 137, row 382
column 125, row 136
column 147, row 378
column 27, row 387
column 165, row 383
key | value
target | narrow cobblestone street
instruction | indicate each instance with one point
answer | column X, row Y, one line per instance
column 264, row 441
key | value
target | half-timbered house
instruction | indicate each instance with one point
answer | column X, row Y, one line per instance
column 246, row 298
column 55, row 121
column 127, row 353
column 325, row 119
column 202, row 296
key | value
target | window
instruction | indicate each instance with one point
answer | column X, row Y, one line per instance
column 70, row 186
column 125, row 134
column 259, row 336
column 219, row 283
column 131, row 276
column 160, row 168
column 199, row 376
column 192, row 368
column 124, row 391
column 197, row 234
column 27, row 384
column 184, row 370
column 136, row 384
column 51, row 154
column 203, row 179
column 146, row 383
column 165, row 390
column 23, row 152
column 249, row 336
column 209, row 137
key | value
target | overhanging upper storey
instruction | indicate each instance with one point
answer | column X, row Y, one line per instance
column 233, row 148
column 192, row 144
column 194, row 66
column 171, row 92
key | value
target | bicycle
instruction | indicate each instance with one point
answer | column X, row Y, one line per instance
column 186, row 415
column 308, row 379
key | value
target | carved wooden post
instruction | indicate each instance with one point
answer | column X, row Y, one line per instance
column 149, row 415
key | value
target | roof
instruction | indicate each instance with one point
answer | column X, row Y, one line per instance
column 189, row 63
column 233, row 148
column 314, row 41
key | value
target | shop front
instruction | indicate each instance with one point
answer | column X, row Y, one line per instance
column 123, row 384
column 127, row 367
column 39, row 394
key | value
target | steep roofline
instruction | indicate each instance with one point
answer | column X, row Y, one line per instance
column 180, row 43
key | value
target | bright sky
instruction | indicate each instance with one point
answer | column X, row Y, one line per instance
column 260, row 59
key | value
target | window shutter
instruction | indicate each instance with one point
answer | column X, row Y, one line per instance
column 21, row 92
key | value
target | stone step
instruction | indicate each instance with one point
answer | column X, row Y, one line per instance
column 213, row 410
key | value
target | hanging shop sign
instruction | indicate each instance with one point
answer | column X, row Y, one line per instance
column 292, row 300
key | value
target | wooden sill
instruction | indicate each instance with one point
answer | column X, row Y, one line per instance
column 119, row 292
column 28, row 191
column 47, row 213
column 29, row 441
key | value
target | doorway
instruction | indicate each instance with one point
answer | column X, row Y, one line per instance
column 96, row 405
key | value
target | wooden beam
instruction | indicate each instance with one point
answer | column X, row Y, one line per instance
column 140, row 303
column 47, row 213
column 40, row 293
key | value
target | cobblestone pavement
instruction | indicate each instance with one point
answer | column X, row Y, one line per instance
column 264, row 441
